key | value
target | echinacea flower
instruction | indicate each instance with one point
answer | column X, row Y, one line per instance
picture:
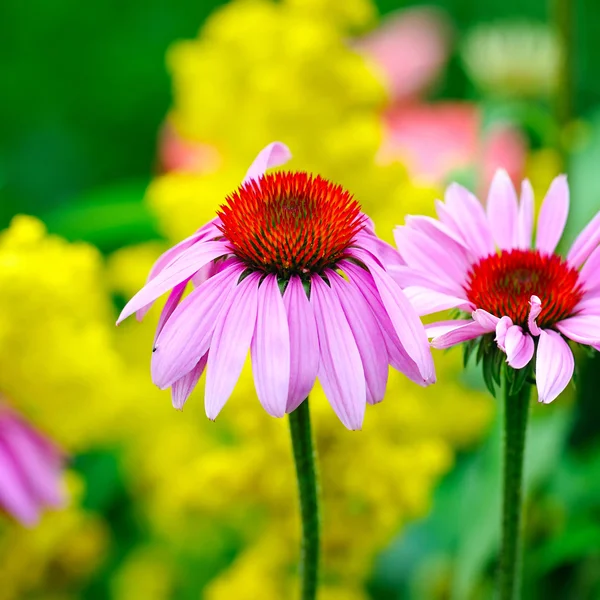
column 30, row 469
column 529, row 299
column 291, row 270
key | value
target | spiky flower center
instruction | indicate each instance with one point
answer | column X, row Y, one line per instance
column 503, row 284
column 288, row 223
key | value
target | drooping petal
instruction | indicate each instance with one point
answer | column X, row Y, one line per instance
column 590, row 272
column 519, row 347
column 438, row 232
column 183, row 387
column 387, row 255
column 584, row 329
column 406, row 322
column 441, row 327
column 485, row 319
column 502, row 328
column 470, row 219
column 340, row 368
column 536, row 308
column 554, row 365
column 553, row 215
column 187, row 334
column 427, row 302
column 170, row 305
column 525, row 218
column 460, row 334
column 270, row 349
column 367, row 335
column 407, row 277
column 179, row 270
column 304, row 343
column 502, row 210
column 273, row 155
column 229, row 346
column 397, row 355
column 585, row 243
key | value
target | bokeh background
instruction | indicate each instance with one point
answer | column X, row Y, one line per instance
column 123, row 125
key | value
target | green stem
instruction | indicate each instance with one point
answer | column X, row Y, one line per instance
column 304, row 457
column 516, row 411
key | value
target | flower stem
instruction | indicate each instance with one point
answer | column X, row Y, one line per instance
column 516, row 411
column 304, row 457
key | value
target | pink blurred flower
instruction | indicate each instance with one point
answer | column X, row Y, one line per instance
column 177, row 154
column 434, row 140
column 410, row 48
column 30, row 469
column 482, row 262
column 291, row 270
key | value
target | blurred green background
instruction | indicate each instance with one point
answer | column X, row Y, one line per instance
column 85, row 93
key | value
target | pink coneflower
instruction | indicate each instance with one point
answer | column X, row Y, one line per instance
column 30, row 469
column 291, row 270
column 528, row 299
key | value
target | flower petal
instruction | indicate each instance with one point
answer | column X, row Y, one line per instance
column 502, row 328
column 584, row 329
column 186, row 336
column 470, row 219
column 340, row 369
column 519, row 347
column 183, row 387
column 590, row 272
column 525, row 218
column 589, row 305
column 463, row 333
column 502, row 210
column 536, row 308
column 367, row 335
column 273, row 155
column 304, row 343
column 190, row 261
column 426, row 301
column 441, row 327
column 553, row 215
column 485, row 319
column 397, row 356
column 585, row 243
column 554, row 365
column 437, row 232
column 406, row 322
column 230, row 343
column 170, row 305
column 270, row 349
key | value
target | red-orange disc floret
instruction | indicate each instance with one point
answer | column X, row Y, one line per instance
column 503, row 284
column 288, row 223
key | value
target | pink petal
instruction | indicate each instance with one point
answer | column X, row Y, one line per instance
column 441, row 327
column 589, row 305
column 386, row 255
column 426, row 301
column 367, row 335
column 230, row 343
column 406, row 322
column 460, row 334
column 304, row 343
column 187, row 335
column 470, row 219
column 519, row 347
column 273, row 155
column 417, row 249
column 270, row 349
column 525, row 218
column 179, row 270
column 407, row 277
column 536, row 308
column 502, row 328
column 584, row 329
column 590, row 272
column 585, row 243
column 170, row 305
column 397, row 356
column 485, row 319
column 553, row 215
column 502, row 210
column 183, row 387
column 554, row 365
column 340, row 369
column 439, row 233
